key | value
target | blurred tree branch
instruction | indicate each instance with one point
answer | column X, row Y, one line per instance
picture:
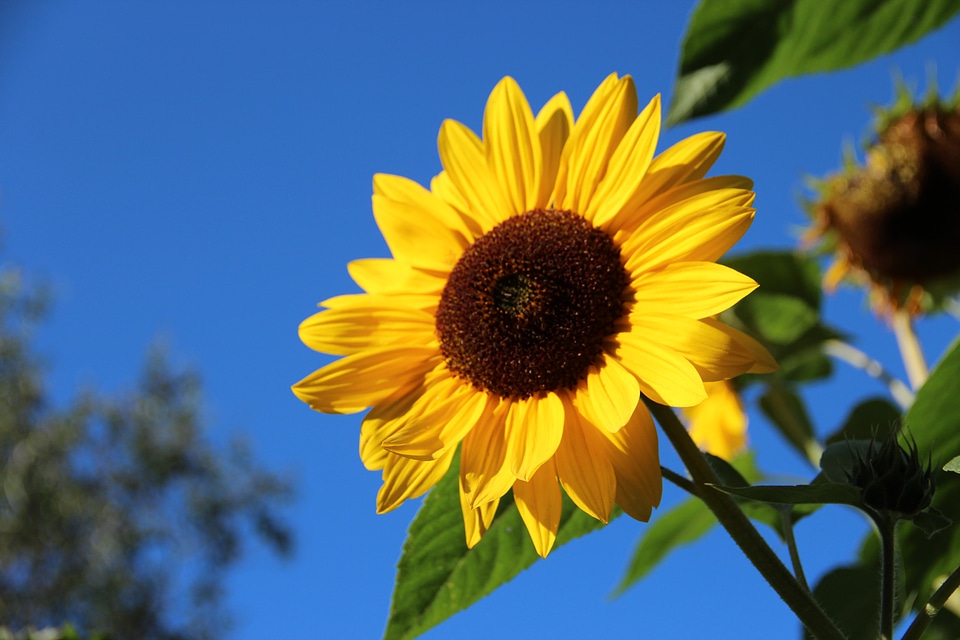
column 116, row 515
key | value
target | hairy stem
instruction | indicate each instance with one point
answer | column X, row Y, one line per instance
column 742, row 531
column 888, row 542
column 933, row 606
column 787, row 520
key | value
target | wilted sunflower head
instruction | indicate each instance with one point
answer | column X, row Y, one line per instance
column 895, row 221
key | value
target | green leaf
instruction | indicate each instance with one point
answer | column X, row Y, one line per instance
column 804, row 366
column 437, row 575
column 728, row 474
column 872, row 417
column 682, row 525
column 953, row 465
column 786, row 411
column 734, row 49
column 840, row 459
column 931, row 522
column 824, row 493
column 786, row 272
column 933, row 421
column 779, row 318
column 851, row 597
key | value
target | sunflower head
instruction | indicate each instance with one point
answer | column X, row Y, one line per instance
column 556, row 269
column 895, row 221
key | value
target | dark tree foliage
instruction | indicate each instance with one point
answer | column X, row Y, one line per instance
column 116, row 515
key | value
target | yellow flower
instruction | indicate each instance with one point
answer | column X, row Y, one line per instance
column 718, row 424
column 553, row 272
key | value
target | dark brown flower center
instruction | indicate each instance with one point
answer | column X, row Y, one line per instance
column 529, row 304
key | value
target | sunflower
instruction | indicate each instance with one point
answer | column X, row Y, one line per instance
column 554, row 272
column 892, row 222
column 718, row 424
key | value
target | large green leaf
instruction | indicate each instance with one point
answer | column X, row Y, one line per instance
column 734, row 49
column 933, row 421
column 437, row 575
column 820, row 493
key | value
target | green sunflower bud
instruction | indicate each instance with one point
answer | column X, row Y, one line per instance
column 893, row 478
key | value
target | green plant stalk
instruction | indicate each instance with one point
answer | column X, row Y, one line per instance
column 679, row 480
column 840, row 350
column 930, row 610
column 910, row 351
column 787, row 519
column 888, row 551
column 737, row 524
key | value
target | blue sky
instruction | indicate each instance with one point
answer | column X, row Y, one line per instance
column 201, row 173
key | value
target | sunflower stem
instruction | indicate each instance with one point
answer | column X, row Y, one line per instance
column 910, row 351
column 933, row 606
column 786, row 518
column 857, row 358
column 888, row 542
column 737, row 524
column 680, row 481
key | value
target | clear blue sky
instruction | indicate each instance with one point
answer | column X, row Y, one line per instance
column 201, row 172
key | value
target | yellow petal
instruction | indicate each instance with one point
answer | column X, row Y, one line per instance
column 718, row 424
column 608, row 395
column 452, row 409
column 363, row 379
column 512, row 145
column 584, row 470
column 664, row 375
column 426, row 303
column 540, row 504
column 406, row 191
column 627, row 168
column 715, row 353
column 596, row 134
column 405, row 479
column 686, row 161
column 443, row 188
column 763, row 361
column 386, row 276
column 383, row 420
column 685, row 233
column 464, row 161
column 484, row 473
column 477, row 520
column 691, row 289
column 368, row 322
column 415, row 236
column 554, row 123
column 534, row 427
column 711, row 192
column 636, row 461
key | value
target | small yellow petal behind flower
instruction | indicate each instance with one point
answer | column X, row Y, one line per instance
column 718, row 424
column 555, row 270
